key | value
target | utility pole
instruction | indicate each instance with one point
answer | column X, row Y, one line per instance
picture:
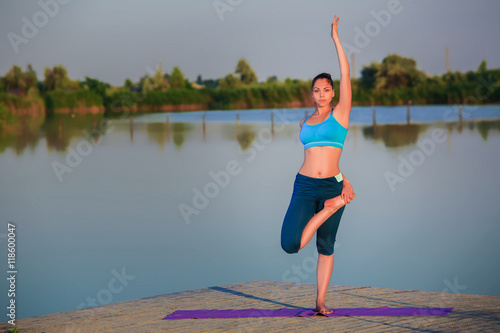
column 447, row 55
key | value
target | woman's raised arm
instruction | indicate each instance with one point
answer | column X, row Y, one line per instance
column 345, row 95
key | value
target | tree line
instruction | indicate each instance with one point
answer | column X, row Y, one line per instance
column 395, row 80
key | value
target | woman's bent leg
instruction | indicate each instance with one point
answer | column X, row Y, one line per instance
column 327, row 233
column 299, row 212
column 331, row 206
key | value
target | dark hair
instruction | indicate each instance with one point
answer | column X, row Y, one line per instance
column 322, row 76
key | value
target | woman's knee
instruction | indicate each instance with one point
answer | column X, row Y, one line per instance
column 326, row 250
column 290, row 246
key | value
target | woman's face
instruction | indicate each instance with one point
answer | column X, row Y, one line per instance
column 322, row 92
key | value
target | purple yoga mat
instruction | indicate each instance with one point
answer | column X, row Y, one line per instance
column 258, row 313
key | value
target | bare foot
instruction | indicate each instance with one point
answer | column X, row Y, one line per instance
column 334, row 203
column 321, row 308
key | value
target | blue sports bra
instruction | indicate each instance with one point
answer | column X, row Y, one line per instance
column 326, row 133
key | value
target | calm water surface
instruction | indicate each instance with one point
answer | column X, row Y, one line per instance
column 115, row 209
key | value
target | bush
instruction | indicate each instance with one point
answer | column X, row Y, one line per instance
column 72, row 99
column 4, row 112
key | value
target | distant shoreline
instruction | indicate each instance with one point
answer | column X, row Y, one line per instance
column 37, row 111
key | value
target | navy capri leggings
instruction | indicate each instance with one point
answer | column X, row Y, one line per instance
column 308, row 198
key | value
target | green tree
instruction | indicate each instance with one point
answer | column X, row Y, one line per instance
column 158, row 79
column 95, row 85
column 454, row 77
column 15, row 78
column 368, row 75
column 128, row 83
column 210, row 83
column 33, row 96
column 56, row 78
column 155, row 83
column 177, row 78
column 397, row 71
column 30, row 77
column 482, row 67
column 272, row 80
column 229, row 81
column 247, row 74
column 143, row 79
column 147, row 84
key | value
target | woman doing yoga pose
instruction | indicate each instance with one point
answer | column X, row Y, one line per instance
column 320, row 190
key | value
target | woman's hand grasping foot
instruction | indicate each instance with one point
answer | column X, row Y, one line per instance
column 347, row 193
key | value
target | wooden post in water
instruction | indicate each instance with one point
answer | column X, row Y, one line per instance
column 168, row 129
column 272, row 125
column 460, row 119
column 238, row 127
column 408, row 112
column 374, row 116
column 204, row 129
column 447, row 56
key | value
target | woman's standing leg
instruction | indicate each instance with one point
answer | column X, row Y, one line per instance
column 325, row 242
column 323, row 275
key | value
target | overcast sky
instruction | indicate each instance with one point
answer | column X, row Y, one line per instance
column 112, row 40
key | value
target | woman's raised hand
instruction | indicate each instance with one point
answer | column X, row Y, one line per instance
column 335, row 30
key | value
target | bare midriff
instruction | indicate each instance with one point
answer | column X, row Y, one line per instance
column 321, row 162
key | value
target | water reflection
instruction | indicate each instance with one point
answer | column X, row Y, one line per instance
column 485, row 127
column 158, row 133
column 59, row 132
column 130, row 214
column 394, row 135
column 164, row 133
column 20, row 135
column 244, row 134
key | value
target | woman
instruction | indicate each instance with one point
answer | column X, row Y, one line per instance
column 320, row 190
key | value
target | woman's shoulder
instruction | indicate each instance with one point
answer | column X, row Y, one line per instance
column 302, row 121
column 342, row 115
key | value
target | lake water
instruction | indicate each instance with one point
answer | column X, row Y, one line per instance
column 112, row 209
